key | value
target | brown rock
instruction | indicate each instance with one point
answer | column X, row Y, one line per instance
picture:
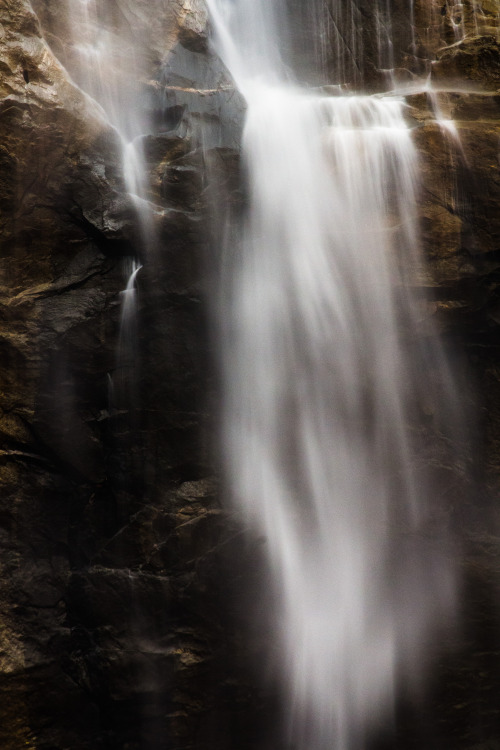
column 474, row 61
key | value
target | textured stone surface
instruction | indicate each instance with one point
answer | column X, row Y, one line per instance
column 457, row 131
column 472, row 62
column 59, row 276
column 440, row 24
column 77, row 465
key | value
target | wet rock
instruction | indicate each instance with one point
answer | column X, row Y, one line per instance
column 112, row 585
column 66, row 224
column 457, row 136
column 461, row 188
column 474, row 61
column 439, row 25
column 452, row 106
column 123, row 21
column 200, row 87
column 193, row 26
column 153, row 641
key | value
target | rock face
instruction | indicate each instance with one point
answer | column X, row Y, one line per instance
column 456, row 129
column 121, row 623
column 110, row 624
column 471, row 62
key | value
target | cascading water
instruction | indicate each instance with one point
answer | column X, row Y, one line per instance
column 104, row 63
column 102, row 60
column 457, row 19
column 325, row 363
column 467, row 15
column 128, row 340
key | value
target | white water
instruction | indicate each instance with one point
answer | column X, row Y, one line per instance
column 128, row 339
column 323, row 381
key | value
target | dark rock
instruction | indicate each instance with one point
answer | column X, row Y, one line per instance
column 71, row 463
column 213, row 109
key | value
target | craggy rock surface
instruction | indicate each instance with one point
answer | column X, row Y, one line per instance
column 440, row 24
column 112, row 613
column 122, row 622
column 474, row 61
column 59, row 273
column 457, row 132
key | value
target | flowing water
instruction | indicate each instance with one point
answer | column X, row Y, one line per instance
column 475, row 14
column 328, row 369
column 327, row 375
column 105, row 62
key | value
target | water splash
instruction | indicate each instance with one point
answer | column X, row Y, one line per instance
column 326, row 371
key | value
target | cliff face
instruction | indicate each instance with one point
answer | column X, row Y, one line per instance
column 60, row 275
column 106, row 510
column 457, row 133
column 120, row 621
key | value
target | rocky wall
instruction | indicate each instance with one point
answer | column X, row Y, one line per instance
column 114, row 630
column 456, row 127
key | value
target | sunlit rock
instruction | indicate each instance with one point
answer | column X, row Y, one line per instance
column 474, row 61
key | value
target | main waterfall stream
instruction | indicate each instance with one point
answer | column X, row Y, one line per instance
column 329, row 371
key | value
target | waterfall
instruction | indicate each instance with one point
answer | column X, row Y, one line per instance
column 329, row 369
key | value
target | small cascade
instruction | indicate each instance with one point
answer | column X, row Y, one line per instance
column 134, row 176
column 339, row 42
column 343, row 30
column 128, row 334
column 413, row 45
column 104, row 60
column 328, row 369
column 383, row 19
column 123, row 394
column 456, row 10
column 485, row 19
column 447, row 125
column 466, row 18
